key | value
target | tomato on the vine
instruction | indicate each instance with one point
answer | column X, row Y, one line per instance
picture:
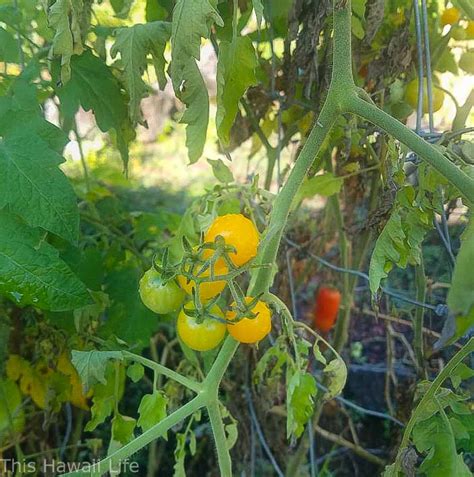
column 411, row 96
column 207, row 290
column 326, row 308
column 160, row 296
column 204, row 335
column 250, row 330
column 238, row 231
column 450, row 16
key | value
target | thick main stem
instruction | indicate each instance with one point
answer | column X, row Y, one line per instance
column 427, row 152
column 220, row 438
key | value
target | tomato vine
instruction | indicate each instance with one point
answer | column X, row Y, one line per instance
column 343, row 97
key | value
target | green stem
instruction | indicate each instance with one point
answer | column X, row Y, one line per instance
column 342, row 326
column 158, row 368
column 281, row 208
column 144, row 439
column 223, row 455
column 354, row 104
column 420, row 283
column 430, row 396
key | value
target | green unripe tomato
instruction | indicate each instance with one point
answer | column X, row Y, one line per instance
column 159, row 296
column 10, row 409
column 411, row 96
column 458, row 33
column 466, row 62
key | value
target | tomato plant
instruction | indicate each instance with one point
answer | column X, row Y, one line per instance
column 123, row 251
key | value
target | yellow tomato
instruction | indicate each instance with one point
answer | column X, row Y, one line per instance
column 238, row 231
column 450, row 16
column 207, row 290
column 250, row 330
column 204, row 335
column 411, row 96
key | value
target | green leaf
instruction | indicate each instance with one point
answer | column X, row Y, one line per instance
column 192, row 20
column 135, row 372
column 235, row 73
column 326, row 184
column 106, row 396
column 357, row 28
column 152, row 410
column 301, row 390
column 102, row 95
column 8, row 47
column 134, row 45
column 386, row 251
column 65, row 18
column 193, row 93
column 461, row 294
column 221, row 172
column 32, row 272
column 460, row 373
column 92, row 365
column 34, row 187
column 128, row 318
column 230, row 427
column 258, row 8
column 435, row 437
column 19, row 111
column 336, row 374
column 123, row 428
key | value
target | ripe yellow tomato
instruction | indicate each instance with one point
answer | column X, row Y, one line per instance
column 450, row 16
column 202, row 336
column 250, row 330
column 238, row 231
column 411, row 96
column 207, row 290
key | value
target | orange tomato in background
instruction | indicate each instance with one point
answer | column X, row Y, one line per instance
column 326, row 308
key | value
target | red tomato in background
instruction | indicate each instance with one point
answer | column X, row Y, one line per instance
column 326, row 308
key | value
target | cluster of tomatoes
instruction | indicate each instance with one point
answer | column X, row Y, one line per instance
column 230, row 243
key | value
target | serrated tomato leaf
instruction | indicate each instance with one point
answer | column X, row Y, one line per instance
column 235, row 73
column 34, row 187
column 31, row 272
column 93, row 86
column 134, row 44
column 92, row 365
column 152, row 410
